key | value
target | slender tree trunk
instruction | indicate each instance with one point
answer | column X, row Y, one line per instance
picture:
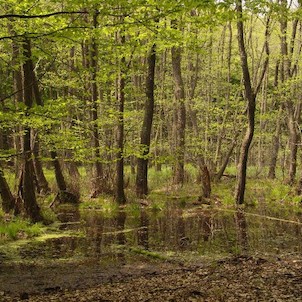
column 41, row 179
column 98, row 177
column 18, row 98
column 227, row 158
column 251, row 99
column 275, row 147
column 60, row 179
column 142, row 161
column 276, row 137
column 63, row 196
column 120, row 193
column 180, row 123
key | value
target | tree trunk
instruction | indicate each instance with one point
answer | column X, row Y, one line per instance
column 120, row 194
column 180, row 122
column 28, row 188
column 98, row 177
column 251, row 99
column 60, row 179
column 142, row 161
column 227, row 158
column 38, row 170
column 41, row 179
column 275, row 139
column 285, row 74
column 8, row 200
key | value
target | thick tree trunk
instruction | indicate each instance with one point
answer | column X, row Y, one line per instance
column 142, row 161
column 28, row 188
column 180, row 122
column 8, row 200
column 42, row 183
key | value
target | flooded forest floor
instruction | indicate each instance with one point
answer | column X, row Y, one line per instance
column 179, row 251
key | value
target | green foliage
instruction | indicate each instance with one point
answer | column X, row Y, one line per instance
column 19, row 229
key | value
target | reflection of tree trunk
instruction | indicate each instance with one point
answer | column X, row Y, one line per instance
column 142, row 161
column 121, row 218
column 206, row 226
column 8, row 200
column 181, row 230
column 143, row 233
column 242, row 234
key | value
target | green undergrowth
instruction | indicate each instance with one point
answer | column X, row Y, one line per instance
column 18, row 228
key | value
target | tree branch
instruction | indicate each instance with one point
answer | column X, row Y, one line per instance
column 8, row 16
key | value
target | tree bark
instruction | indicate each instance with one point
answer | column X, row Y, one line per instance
column 38, row 169
column 8, row 200
column 251, row 99
column 28, row 188
column 285, row 74
column 219, row 174
column 60, row 179
column 120, row 193
column 180, row 122
column 142, row 161
column 98, row 177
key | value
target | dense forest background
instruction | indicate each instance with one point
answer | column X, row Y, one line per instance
column 101, row 92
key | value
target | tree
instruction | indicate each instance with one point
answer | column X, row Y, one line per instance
column 250, row 95
column 142, row 161
column 120, row 96
column 179, row 116
column 27, row 186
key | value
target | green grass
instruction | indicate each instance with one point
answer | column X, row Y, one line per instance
column 19, row 229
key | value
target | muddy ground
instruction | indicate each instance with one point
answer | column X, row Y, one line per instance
column 240, row 278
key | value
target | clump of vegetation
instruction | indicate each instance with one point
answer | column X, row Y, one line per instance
column 19, row 229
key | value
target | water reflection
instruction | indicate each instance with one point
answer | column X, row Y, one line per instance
column 69, row 216
column 143, row 231
column 202, row 231
column 242, row 230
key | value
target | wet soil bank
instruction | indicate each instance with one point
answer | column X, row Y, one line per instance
column 240, row 278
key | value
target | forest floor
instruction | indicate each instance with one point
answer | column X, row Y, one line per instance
column 239, row 278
